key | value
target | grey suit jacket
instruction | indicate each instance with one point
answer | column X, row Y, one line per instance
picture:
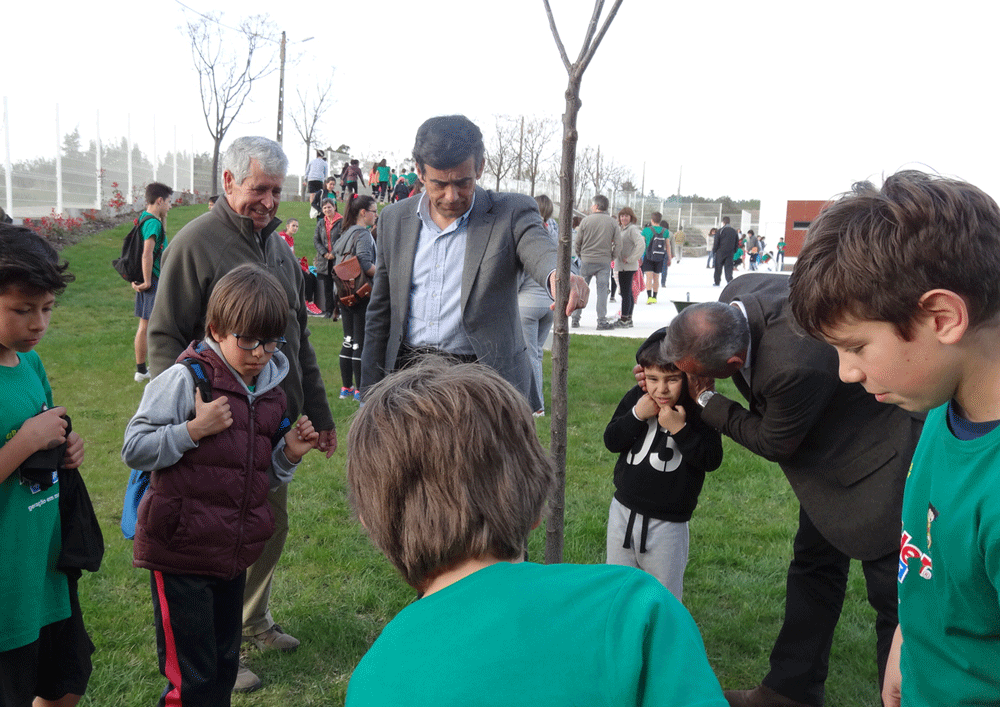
column 845, row 454
column 505, row 233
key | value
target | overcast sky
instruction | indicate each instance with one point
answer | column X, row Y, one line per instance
column 772, row 100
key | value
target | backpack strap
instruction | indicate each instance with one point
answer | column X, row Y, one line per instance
column 204, row 386
column 283, row 428
column 201, row 382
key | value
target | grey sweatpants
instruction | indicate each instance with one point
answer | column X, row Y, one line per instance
column 666, row 552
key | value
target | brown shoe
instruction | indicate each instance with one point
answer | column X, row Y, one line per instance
column 760, row 696
column 246, row 681
column 273, row 639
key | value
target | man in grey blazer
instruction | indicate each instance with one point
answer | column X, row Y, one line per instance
column 844, row 454
column 447, row 264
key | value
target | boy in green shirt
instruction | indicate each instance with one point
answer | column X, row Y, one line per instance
column 44, row 648
column 154, row 241
column 917, row 326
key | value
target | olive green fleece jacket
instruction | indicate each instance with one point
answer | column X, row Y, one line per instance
column 198, row 256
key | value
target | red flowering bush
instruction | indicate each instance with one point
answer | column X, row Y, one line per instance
column 54, row 227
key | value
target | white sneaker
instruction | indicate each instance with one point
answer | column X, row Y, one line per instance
column 141, row 377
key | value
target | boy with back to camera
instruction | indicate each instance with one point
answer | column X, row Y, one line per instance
column 902, row 280
column 154, row 238
column 664, row 451
column 44, row 648
column 205, row 517
column 448, row 478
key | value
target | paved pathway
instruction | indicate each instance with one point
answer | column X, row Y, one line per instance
column 687, row 281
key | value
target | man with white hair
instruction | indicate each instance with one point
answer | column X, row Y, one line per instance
column 242, row 228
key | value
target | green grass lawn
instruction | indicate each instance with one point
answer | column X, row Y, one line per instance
column 334, row 592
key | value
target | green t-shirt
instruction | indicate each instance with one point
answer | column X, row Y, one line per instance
column 33, row 593
column 411, row 178
column 949, row 569
column 383, row 173
column 528, row 634
column 153, row 228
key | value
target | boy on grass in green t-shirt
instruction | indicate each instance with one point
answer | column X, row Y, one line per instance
column 154, row 238
column 902, row 282
column 44, row 648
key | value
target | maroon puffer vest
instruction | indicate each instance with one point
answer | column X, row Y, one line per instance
column 208, row 513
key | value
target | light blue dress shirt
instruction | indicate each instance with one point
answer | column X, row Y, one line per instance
column 436, row 288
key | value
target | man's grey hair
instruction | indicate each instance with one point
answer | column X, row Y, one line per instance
column 272, row 158
column 709, row 333
column 601, row 202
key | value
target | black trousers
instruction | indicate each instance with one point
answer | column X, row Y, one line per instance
column 814, row 597
column 199, row 626
column 354, row 341
column 325, row 294
column 723, row 261
column 625, row 285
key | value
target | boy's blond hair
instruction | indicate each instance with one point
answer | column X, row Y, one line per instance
column 247, row 301
column 873, row 253
column 444, row 465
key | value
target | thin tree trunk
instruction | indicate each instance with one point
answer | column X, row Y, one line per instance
column 554, row 527
column 215, row 166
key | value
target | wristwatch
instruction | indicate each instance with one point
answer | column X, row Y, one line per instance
column 705, row 397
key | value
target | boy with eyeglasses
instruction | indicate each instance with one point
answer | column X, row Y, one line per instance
column 214, row 454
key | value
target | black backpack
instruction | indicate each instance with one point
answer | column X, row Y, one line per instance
column 129, row 265
column 657, row 246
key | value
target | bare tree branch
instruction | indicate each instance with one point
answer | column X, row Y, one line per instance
column 585, row 61
column 226, row 77
column 555, row 34
column 309, row 111
column 537, row 134
column 591, row 28
column 500, row 153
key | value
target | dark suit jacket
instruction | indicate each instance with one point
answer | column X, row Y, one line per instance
column 845, row 454
column 505, row 233
column 726, row 241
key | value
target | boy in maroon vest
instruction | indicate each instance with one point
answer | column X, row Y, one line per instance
column 212, row 429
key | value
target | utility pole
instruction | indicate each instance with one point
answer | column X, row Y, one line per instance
column 281, row 91
column 642, row 209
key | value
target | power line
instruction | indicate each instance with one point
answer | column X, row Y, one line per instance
column 216, row 21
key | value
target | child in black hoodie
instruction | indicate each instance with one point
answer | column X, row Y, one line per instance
column 664, row 452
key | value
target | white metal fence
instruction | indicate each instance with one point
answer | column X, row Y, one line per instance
column 86, row 168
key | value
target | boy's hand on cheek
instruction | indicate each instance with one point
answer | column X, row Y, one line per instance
column 646, row 408
column 672, row 419
column 300, row 439
column 209, row 418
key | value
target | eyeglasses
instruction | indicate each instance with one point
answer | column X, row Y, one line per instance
column 372, row 211
column 270, row 345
